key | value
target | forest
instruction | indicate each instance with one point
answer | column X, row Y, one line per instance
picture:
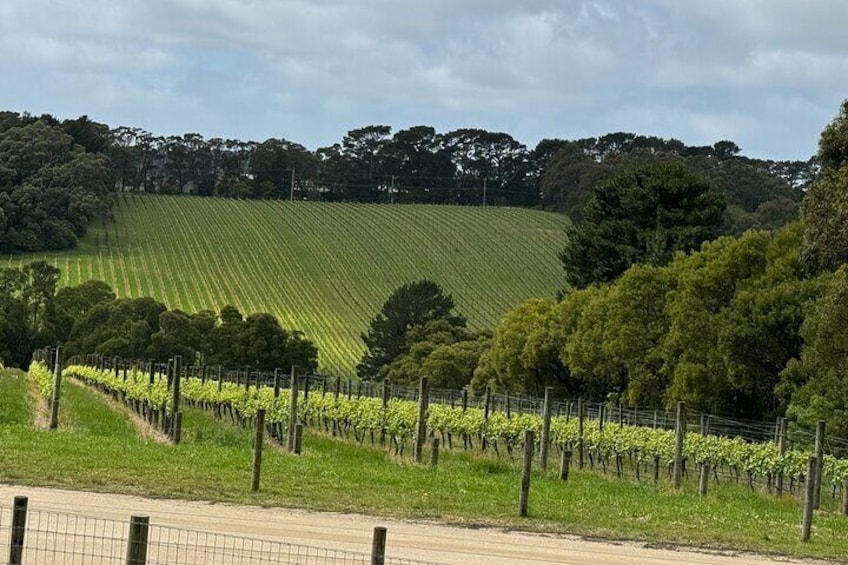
column 58, row 175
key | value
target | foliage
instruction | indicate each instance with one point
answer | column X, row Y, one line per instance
column 715, row 329
column 410, row 305
column 825, row 207
column 815, row 382
column 641, row 215
column 27, row 310
column 256, row 341
column 213, row 459
column 445, row 353
column 43, row 379
column 367, row 417
column 51, row 187
column 525, row 352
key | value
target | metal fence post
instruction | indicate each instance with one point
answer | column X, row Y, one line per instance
column 137, row 544
column 16, row 544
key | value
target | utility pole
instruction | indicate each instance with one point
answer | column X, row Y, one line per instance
column 392, row 191
column 291, row 192
column 484, row 192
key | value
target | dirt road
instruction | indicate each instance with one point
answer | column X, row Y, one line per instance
column 352, row 532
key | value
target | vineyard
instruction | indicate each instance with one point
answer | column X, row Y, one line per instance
column 324, row 269
column 645, row 451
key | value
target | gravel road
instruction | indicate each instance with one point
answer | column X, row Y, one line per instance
column 352, row 532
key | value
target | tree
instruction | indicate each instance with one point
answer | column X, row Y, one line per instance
column 120, row 328
column 258, row 341
column 496, row 158
column 642, row 215
column 413, row 304
column 75, row 302
column 525, row 352
column 635, row 329
column 568, row 178
column 181, row 334
column 824, row 211
column 816, row 382
column 50, row 188
column 418, row 165
column 445, row 353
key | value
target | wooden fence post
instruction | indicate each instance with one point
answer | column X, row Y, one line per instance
column 298, row 438
column 809, row 501
column 546, row 429
column 258, row 433
column 819, row 453
column 57, row 390
column 292, row 410
column 276, row 383
column 421, row 424
column 581, row 420
column 781, row 449
column 385, row 410
column 137, row 544
column 434, row 452
column 176, row 421
column 378, row 546
column 487, row 402
column 845, row 497
column 679, row 434
column 529, row 450
column 564, row 464
column 704, row 479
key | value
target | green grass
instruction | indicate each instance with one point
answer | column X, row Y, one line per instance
column 14, row 404
column 214, row 463
column 322, row 268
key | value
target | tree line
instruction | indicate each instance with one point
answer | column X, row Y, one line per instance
column 55, row 176
column 89, row 318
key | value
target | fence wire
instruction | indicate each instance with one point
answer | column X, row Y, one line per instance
column 60, row 538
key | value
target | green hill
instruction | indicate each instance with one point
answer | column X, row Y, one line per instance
column 323, row 268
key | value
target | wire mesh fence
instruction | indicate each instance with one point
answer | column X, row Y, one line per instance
column 36, row 537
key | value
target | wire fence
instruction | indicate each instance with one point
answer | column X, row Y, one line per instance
column 749, row 430
column 36, row 537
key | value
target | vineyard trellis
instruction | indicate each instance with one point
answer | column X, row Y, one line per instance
column 613, row 437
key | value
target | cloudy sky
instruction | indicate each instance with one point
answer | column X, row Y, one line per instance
column 767, row 74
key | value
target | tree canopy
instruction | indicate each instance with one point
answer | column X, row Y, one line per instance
column 51, row 186
column 641, row 215
column 90, row 319
column 825, row 207
column 410, row 306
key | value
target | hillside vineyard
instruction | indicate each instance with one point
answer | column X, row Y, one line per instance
column 322, row 268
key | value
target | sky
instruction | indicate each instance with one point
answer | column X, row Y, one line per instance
column 766, row 74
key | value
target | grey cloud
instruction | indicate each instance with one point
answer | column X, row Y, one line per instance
column 766, row 73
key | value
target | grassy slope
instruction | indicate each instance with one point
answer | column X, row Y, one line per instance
column 323, row 268
column 214, row 463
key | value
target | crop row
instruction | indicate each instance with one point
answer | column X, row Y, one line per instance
column 367, row 418
column 324, row 269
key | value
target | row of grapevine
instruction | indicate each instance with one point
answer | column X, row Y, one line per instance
column 43, row 379
column 366, row 418
column 325, row 269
